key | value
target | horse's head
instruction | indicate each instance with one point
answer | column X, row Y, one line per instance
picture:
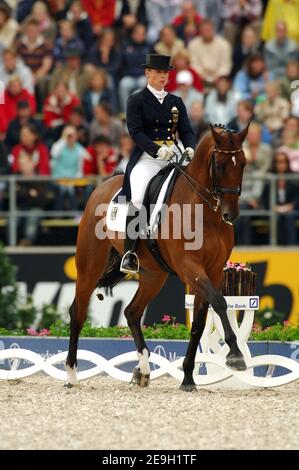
column 226, row 169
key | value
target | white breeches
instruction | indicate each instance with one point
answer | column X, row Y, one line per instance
column 142, row 173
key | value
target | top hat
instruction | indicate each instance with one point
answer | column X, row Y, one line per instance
column 157, row 61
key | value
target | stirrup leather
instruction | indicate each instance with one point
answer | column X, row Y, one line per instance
column 129, row 271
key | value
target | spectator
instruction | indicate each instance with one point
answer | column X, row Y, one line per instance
column 188, row 22
column 257, row 152
column 273, row 110
column 210, row 54
column 243, row 117
column 31, row 146
column 134, row 54
column 4, row 170
column 24, row 8
column 221, row 102
column 12, row 65
column 23, row 118
column 57, row 110
column 281, row 10
column 290, row 142
column 212, row 9
column 30, row 197
column 249, row 44
column 131, row 13
column 67, row 162
column 81, row 22
column 67, row 40
column 71, row 72
column 280, row 50
column 58, row 9
column 286, row 200
column 126, row 145
column 169, row 44
column 292, row 74
column 77, row 120
column 198, row 123
column 239, row 13
column 105, row 54
column 185, row 89
column 101, row 14
column 181, row 61
column 250, row 82
column 13, row 94
column 105, row 124
column 103, row 158
column 47, row 26
column 8, row 27
column 160, row 13
column 98, row 92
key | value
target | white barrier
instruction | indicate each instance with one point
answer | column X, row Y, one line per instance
column 213, row 355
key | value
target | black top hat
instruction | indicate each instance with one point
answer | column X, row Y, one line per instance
column 157, row 61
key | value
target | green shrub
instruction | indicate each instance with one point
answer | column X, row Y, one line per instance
column 8, row 292
column 269, row 317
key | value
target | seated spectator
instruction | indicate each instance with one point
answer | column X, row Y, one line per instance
column 133, row 55
column 181, row 61
column 30, row 197
column 101, row 14
column 67, row 162
column 97, row 93
column 106, row 55
column 212, row 9
column 14, row 93
column 169, row 44
column 291, row 74
column 159, row 14
column 78, row 16
column 77, row 120
column 210, row 54
column 8, row 27
column 243, row 117
column 290, row 142
column 105, row 124
column 185, row 89
column 273, row 110
column 257, row 153
column 57, row 110
column 238, row 14
column 66, row 40
column 71, row 72
column 23, row 118
column 197, row 120
column 248, row 45
column 103, row 158
column 286, row 200
column 280, row 50
column 187, row 22
column 250, row 82
column 24, row 8
column 130, row 14
column 31, row 146
column 221, row 102
column 58, row 9
column 281, row 10
column 126, row 145
column 11, row 65
column 47, row 26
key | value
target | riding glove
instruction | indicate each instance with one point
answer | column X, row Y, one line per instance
column 190, row 152
column 164, row 153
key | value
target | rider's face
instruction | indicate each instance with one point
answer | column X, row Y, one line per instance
column 157, row 78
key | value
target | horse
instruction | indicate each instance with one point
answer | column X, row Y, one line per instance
column 212, row 178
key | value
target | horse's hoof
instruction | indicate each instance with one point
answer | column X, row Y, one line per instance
column 188, row 388
column 236, row 362
column 143, row 380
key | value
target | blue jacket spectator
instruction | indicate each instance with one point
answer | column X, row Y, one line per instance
column 81, row 22
column 98, row 93
column 250, row 83
column 279, row 51
column 67, row 40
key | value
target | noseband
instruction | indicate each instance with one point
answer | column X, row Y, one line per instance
column 216, row 189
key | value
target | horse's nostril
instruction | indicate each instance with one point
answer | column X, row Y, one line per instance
column 226, row 216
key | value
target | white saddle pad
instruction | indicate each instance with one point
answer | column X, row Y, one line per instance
column 117, row 213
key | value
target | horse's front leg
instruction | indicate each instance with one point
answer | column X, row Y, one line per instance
column 200, row 314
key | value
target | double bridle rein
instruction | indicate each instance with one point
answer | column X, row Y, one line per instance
column 217, row 190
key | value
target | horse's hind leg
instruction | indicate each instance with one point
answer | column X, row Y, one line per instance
column 150, row 285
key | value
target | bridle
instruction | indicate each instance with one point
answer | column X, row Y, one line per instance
column 217, row 190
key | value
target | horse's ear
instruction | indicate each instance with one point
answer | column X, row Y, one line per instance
column 242, row 135
column 215, row 135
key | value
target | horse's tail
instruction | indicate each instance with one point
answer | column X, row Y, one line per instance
column 112, row 275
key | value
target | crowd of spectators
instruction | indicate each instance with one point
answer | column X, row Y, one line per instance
column 67, row 68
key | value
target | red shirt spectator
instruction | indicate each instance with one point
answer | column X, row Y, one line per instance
column 12, row 95
column 59, row 106
column 100, row 12
column 181, row 61
column 30, row 146
column 103, row 158
column 187, row 23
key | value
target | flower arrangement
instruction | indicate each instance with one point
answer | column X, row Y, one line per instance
column 238, row 279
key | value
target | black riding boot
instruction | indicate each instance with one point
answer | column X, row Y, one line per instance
column 130, row 262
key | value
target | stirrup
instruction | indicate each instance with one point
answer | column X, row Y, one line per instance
column 128, row 270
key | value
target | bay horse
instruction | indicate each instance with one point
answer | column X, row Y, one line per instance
column 213, row 178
